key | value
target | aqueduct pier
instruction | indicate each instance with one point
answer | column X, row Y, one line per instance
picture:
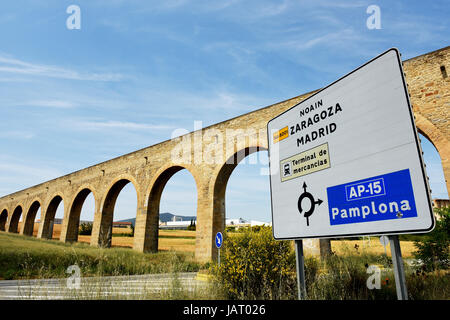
column 149, row 169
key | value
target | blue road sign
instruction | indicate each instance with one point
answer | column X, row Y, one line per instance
column 219, row 240
column 389, row 196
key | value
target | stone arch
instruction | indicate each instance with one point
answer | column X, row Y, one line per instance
column 3, row 219
column 121, row 180
column 108, row 205
column 440, row 142
column 70, row 232
column 28, row 221
column 153, row 199
column 220, row 184
column 48, row 217
column 15, row 218
column 162, row 176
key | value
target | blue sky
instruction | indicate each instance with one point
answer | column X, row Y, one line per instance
column 137, row 70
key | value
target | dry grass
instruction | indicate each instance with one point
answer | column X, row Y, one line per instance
column 28, row 257
column 169, row 240
column 370, row 247
column 57, row 230
column 184, row 241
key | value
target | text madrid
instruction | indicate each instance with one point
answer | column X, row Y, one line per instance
column 318, row 117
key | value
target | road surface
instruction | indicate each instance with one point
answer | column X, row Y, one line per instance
column 151, row 286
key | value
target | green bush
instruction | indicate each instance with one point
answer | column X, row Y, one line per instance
column 255, row 266
column 125, row 234
column 85, row 229
column 433, row 248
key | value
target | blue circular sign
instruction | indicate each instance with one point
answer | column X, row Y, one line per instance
column 219, row 240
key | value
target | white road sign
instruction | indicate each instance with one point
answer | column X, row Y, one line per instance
column 347, row 160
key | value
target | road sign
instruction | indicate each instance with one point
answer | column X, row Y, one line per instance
column 384, row 241
column 219, row 240
column 347, row 160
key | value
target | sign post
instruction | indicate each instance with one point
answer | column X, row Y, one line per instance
column 219, row 241
column 347, row 162
column 384, row 240
column 399, row 271
column 300, row 269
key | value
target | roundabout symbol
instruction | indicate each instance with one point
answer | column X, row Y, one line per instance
column 308, row 195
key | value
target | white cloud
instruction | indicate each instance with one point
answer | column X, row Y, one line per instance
column 271, row 10
column 341, row 4
column 98, row 125
column 26, row 170
column 16, row 175
column 59, row 104
column 23, row 135
column 220, row 5
column 340, row 38
column 15, row 66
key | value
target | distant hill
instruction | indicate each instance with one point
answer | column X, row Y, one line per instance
column 164, row 217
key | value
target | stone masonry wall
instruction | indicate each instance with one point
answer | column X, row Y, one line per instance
column 150, row 168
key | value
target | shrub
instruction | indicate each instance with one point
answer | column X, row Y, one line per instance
column 345, row 277
column 230, row 229
column 433, row 248
column 192, row 226
column 85, row 229
column 256, row 266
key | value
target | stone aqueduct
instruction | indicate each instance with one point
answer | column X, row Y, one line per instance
column 149, row 169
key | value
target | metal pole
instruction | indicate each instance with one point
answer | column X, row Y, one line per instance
column 218, row 259
column 300, row 269
column 399, row 271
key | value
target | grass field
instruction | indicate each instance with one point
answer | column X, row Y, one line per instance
column 24, row 257
column 28, row 257
column 173, row 240
column 184, row 241
column 342, row 275
column 373, row 246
